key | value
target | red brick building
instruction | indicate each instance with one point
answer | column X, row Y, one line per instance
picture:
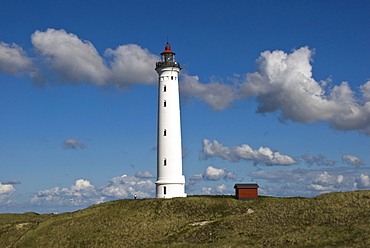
column 246, row 191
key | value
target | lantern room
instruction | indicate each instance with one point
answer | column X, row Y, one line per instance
column 167, row 54
column 168, row 58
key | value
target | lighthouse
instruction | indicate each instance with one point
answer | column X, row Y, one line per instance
column 170, row 181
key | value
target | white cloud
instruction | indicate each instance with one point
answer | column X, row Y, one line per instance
column 213, row 174
column 230, row 175
column 221, row 188
column 197, row 177
column 132, row 65
column 210, row 174
column 206, row 190
column 126, row 186
column 365, row 89
column 145, row 174
column 14, row 61
column 352, row 160
column 74, row 60
column 73, row 144
column 326, row 183
column 302, row 182
column 263, row 155
column 83, row 193
column 77, row 61
column 217, row 95
column 319, row 160
column 363, row 181
column 69, row 59
column 5, row 191
column 283, row 82
column 194, row 179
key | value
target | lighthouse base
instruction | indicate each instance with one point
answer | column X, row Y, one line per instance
column 170, row 190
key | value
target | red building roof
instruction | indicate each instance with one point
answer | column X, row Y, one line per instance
column 246, row 186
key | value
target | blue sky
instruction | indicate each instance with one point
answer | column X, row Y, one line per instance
column 273, row 92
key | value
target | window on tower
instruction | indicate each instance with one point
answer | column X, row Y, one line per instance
column 164, row 103
column 164, row 162
column 164, row 132
column 164, row 88
column 171, row 77
column 164, row 190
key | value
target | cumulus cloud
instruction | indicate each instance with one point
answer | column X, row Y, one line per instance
column 73, row 144
column 209, row 176
column 220, row 189
column 365, row 89
column 77, row 61
column 145, row 174
column 352, row 160
column 319, row 160
column 197, row 177
column 218, row 96
column 63, row 57
column 14, row 61
column 283, row 82
column 325, row 182
column 74, row 60
column 302, row 182
column 363, row 181
column 131, row 65
column 83, row 193
column 206, row 190
column 5, row 191
column 230, row 175
column 263, row 155
column 214, row 174
column 194, row 180
column 126, row 186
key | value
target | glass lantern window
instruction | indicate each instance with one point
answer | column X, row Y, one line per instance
column 168, row 57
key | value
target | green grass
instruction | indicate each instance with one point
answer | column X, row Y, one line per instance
column 330, row 220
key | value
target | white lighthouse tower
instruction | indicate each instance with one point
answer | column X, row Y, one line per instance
column 170, row 181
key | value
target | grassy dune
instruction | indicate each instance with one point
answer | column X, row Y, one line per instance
column 330, row 220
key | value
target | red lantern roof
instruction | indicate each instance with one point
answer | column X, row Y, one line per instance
column 167, row 49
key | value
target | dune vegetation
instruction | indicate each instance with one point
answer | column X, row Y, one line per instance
column 329, row 220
